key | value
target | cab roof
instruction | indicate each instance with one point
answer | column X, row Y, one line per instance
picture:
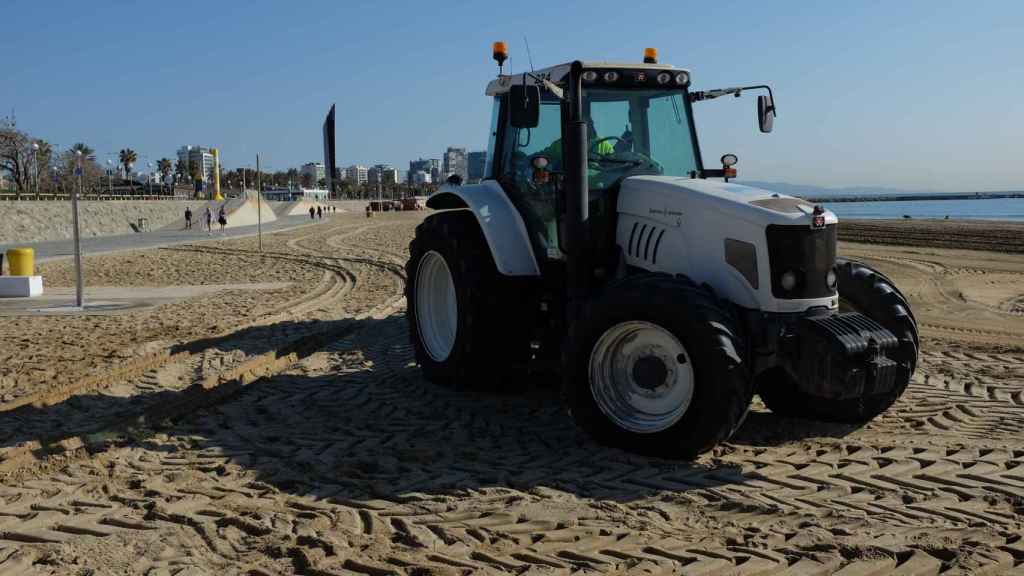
column 558, row 73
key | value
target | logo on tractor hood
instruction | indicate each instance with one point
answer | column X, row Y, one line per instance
column 667, row 212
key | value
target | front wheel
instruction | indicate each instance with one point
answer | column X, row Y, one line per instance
column 654, row 368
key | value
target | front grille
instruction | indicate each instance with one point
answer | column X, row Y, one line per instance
column 808, row 253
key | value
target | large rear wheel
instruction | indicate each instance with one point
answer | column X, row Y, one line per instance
column 469, row 324
column 867, row 291
column 656, row 369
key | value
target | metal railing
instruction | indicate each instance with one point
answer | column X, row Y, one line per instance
column 124, row 194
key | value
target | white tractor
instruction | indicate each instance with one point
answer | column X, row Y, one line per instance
column 596, row 247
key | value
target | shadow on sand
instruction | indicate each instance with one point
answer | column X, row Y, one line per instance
column 356, row 422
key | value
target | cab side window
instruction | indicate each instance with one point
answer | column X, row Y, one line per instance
column 521, row 144
column 536, row 201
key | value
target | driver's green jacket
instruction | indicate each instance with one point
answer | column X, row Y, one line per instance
column 554, row 151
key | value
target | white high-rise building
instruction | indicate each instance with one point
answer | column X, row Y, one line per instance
column 356, row 174
column 383, row 173
column 455, row 163
column 419, row 178
column 315, row 170
column 200, row 157
column 432, row 166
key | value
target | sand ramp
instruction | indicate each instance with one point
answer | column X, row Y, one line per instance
column 296, row 208
column 239, row 212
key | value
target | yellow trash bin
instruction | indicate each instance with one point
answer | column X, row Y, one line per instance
column 21, row 261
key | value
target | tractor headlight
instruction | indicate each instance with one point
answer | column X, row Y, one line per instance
column 590, row 76
column 611, row 76
column 682, row 78
column 788, row 281
column 664, row 78
column 831, row 279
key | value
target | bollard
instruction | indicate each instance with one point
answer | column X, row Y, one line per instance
column 21, row 261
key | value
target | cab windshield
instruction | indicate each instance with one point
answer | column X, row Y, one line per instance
column 637, row 132
column 631, row 132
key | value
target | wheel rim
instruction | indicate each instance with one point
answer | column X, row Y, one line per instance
column 641, row 377
column 437, row 310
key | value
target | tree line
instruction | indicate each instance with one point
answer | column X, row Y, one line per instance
column 32, row 167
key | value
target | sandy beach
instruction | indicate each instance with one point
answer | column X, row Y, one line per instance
column 286, row 431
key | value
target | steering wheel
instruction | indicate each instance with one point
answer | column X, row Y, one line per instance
column 595, row 143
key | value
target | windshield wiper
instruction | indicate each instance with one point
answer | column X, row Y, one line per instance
column 547, row 84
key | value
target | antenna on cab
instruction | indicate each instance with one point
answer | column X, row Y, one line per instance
column 528, row 55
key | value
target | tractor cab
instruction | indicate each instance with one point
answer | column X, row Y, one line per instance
column 638, row 120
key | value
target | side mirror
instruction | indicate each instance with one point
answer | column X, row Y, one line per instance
column 765, row 113
column 524, row 106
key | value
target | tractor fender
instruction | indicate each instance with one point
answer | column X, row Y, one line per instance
column 499, row 220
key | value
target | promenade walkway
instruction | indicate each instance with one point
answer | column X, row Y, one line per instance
column 53, row 249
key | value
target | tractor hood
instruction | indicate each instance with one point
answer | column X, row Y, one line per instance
column 674, row 200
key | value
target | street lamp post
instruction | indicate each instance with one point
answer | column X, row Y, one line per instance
column 35, row 160
column 110, row 177
column 149, row 179
column 79, row 296
column 259, row 215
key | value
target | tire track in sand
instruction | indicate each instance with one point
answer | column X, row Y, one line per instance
column 33, row 432
column 349, row 462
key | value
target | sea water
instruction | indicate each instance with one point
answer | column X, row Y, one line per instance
column 982, row 209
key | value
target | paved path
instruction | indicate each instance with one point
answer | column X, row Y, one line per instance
column 53, row 249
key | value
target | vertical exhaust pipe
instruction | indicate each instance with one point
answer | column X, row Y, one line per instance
column 577, row 210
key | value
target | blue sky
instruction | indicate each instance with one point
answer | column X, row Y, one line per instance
column 921, row 95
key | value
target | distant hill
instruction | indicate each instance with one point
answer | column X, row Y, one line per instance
column 805, row 190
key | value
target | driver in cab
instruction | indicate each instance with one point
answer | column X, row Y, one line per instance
column 598, row 145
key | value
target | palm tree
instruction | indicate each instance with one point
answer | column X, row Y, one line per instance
column 127, row 157
column 83, row 148
column 164, row 166
column 42, row 167
column 181, row 169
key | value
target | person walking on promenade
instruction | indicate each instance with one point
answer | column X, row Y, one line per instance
column 209, row 221
column 222, row 219
column 312, row 213
column 188, row 218
column 319, row 213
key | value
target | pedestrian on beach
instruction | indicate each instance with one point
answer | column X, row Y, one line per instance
column 312, row 213
column 319, row 213
column 188, row 218
column 209, row 221
column 222, row 219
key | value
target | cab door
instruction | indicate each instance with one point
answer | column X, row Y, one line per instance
column 536, row 198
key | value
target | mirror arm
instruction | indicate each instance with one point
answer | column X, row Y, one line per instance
column 712, row 94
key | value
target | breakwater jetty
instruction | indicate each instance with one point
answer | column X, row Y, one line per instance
column 921, row 196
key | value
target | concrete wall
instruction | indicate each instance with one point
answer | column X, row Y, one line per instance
column 31, row 221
